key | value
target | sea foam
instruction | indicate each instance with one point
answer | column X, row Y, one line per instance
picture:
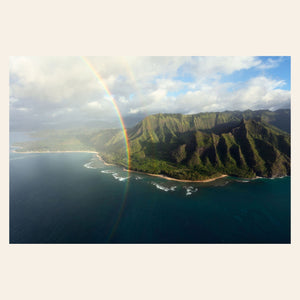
column 164, row 188
column 89, row 165
column 242, row 181
column 118, row 177
column 190, row 190
column 107, row 171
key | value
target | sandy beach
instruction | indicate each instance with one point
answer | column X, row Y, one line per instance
column 100, row 158
column 175, row 179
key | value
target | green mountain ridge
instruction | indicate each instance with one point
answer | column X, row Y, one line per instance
column 200, row 146
column 206, row 145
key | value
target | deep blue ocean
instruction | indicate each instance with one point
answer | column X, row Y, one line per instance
column 75, row 198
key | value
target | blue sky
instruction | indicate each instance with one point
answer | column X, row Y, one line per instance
column 48, row 90
column 273, row 67
column 277, row 68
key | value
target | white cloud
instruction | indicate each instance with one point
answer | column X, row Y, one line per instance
column 257, row 93
column 122, row 99
column 134, row 110
column 22, row 109
column 95, row 105
column 261, row 93
column 270, row 63
column 50, row 88
column 211, row 66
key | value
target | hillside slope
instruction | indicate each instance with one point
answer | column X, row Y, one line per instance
column 206, row 145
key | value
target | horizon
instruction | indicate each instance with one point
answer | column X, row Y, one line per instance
column 134, row 124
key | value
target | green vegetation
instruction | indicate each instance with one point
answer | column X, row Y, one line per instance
column 194, row 147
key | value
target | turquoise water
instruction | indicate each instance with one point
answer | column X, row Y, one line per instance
column 75, row 198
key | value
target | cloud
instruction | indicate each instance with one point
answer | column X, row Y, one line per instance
column 257, row 93
column 270, row 63
column 22, row 109
column 134, row 110
column 204, row 67
column 95, row 105
column 46, row 90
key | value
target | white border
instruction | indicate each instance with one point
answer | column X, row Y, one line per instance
column 149, row 271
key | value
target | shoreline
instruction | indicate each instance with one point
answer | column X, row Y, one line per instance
column 108, row 164
column 175, row 179
column 144, row 173
column 100, row 158
column 66, row 151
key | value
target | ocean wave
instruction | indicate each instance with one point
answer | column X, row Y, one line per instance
column 242, row 181
column 278, row 177
column 89, row 165
column 107, row 171
column 164, row 188
column 190, row 190
column 118, row 177
column 138, row 178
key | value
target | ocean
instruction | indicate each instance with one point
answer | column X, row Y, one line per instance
column 75, row 198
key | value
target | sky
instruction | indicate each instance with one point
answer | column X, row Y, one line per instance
column 62, row 92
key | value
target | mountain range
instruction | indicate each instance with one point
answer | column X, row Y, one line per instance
column 192, row 147
column 205, row 145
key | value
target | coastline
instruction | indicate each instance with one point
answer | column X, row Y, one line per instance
column 100, row 158
column 108, row 164
column 139, row 172
column 175, row 179
column 67, row 151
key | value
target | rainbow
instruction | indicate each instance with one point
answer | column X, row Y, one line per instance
column 102, row 82
column 128, row 69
